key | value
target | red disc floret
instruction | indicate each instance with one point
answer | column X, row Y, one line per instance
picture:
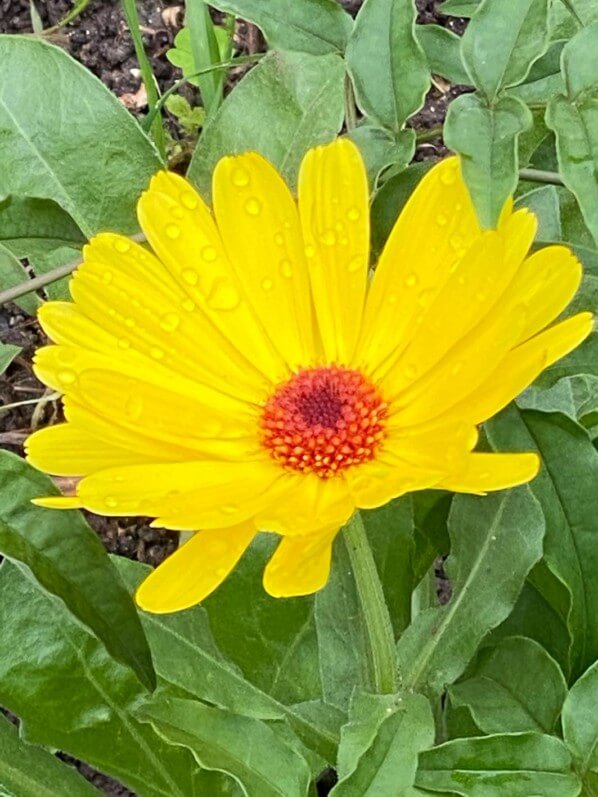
column 324, row 420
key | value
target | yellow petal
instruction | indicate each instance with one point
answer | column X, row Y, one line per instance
column 487, row 472
column 258, row 221
column 377, row 482
column 182, row 232
column 58, row 502
column 521, row 366
column 436, row 227
column 333, row 203
column 195, row 570
column 300, row 565
column 65, row 450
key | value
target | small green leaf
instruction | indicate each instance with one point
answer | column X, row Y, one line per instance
column 486, row 138
column 502, row 41
column 381, row 149
column 301, row 95
column 51, row 127
column 245, row 748
column 489, row 561
column 573, row 118
column 517, row 765
column 380, row 744
column 391, row 86
column 580, row 725
column 317, row 27
column 207, row 50
column 68, row 560
column 28, row 771
column 7, row 354
column 515, row 686
column 443, row 51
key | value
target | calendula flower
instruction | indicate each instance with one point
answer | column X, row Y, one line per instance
column 249, row 375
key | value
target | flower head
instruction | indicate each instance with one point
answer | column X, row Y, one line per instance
column 249, row 375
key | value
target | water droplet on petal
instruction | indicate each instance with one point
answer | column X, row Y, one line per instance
column 356, row 264
column 279, row 239
column 111, row 502
column 449, row 176
column 209, row 254
column 134, row 407
column 223, row 296
column 442, row 220
column 130, row 322
column 328, row 238
column 456, row 368
column 425, row 297
column 170, row 322
column 122, row 245
column 229, row 509
column 253, row 206
column 190, row 276
column 188, row 305
column 392, row 298
column 123, row 343
column 456, row 241
column 189, row 200
column 172, row 231
column 107, row 277
column 240, row 177
column 177, row 212
column 267, row 284
column 310, row 250
column 411, row 280
column 157, row 353
column 67, row 377
column 353, row 214
column 286, row 268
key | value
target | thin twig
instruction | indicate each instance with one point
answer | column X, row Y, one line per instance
column 573, row 11
column 540, row 176
column 75, row 11
column 428, row 135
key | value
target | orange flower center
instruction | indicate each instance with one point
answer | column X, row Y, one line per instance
column 324, row 420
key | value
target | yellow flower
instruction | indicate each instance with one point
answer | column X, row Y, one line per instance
column 249, row 375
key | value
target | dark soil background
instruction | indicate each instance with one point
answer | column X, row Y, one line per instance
column 100, row 40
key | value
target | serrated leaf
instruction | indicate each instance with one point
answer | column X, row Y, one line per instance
column 73, row 696
column 486, row 138
column 495, row 542
column 311, row 26
column 442, row 48
column 580, row 725
column 514, row 686
column 390, row 87
column 69, row 561
column 573, row 117
column 7, row 354
column 28, row 771
column 302, row 96
column 245, row 748
column 502, row 41
column 566, row 491
column 381, row 742
column 517, row 765
column 47, row 125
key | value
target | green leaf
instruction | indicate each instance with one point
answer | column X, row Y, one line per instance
column 459, row 8
column 68, row 139
column 502, row 41
column 515, row 686
column 317, row 27
column 544, row 202
column 580, row 725
column 566, row 491
column 443, row 51
column 73, row 696
column 302, row 96
column 246, row 748
column 563, row 24
column 205, row 52
column 517, row 765
column 486, row 138
column 12, row 273
column 380, row 744
column 544, row 79
column 28, row 771
column 381, row 149
column 7, row 354
column 68, row 559
column 490, row 558
column 30, row 226
column 390, row 87
column 574, row 120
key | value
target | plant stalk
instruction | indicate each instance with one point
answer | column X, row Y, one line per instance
column 382, row 659
column 539, row 176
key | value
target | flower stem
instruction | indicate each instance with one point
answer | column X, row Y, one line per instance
column 540, row 176
column 380, row 638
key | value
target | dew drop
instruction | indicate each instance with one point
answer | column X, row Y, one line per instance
column 123, row 343
column 392, row 298
column 67, row 377
column 170, row 322
column 122, row 245
column 189, row 200
column 353, row 214
column 130, row 322
column 229, row 509
column 448, row 177
column 190, row 276
column 177, row 212
column 456, row 368
column 411, row 280
column 356, row 264
column 328, row 238
column 310, row 250
column 157, row 353
column 107, row 277
column 279, row 239
column 253, row 206
column 456, row 241
column 442, row 220
column 223, row 296
column 111, row 502
column 134, row 407
column 267, row 284
column 425, row 297
column 172, row 231
column 221, row 572
column 286, row 268
column 188, row 305
column 209, row 254
column 240, row 177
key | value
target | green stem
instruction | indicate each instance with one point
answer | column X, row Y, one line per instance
column 539, row 176
column 350, row 110
column 147, row 75
column 75, row 11
column 381, row 654
column 571, row 9
column 428, row 135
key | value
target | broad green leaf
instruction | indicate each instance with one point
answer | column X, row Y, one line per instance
column 486, row 138
column 390, row 86
column 28, row 771
column 442, row 48
column 245, row 748
column 566, row 491
column 311, row 26
column 381, row 149
column 13, row 273
column 515, row 686
column 490, row 557
column 7, row 354
column 68, row 139
column 544, row 79
column 67, row 558
column 187, row 656
column 73, row 696
column 530, row 143
column 380, row 744
column 544, row 202
column 31, row 226
column 301, row 96
column 205, row 52
column 517, row 765
column 574, row 396
column 459, row 8
column 563, row 24
column 502, row 41
column 573, row 117
column 580, row 726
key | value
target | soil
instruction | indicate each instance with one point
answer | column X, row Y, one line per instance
column 100, row 40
